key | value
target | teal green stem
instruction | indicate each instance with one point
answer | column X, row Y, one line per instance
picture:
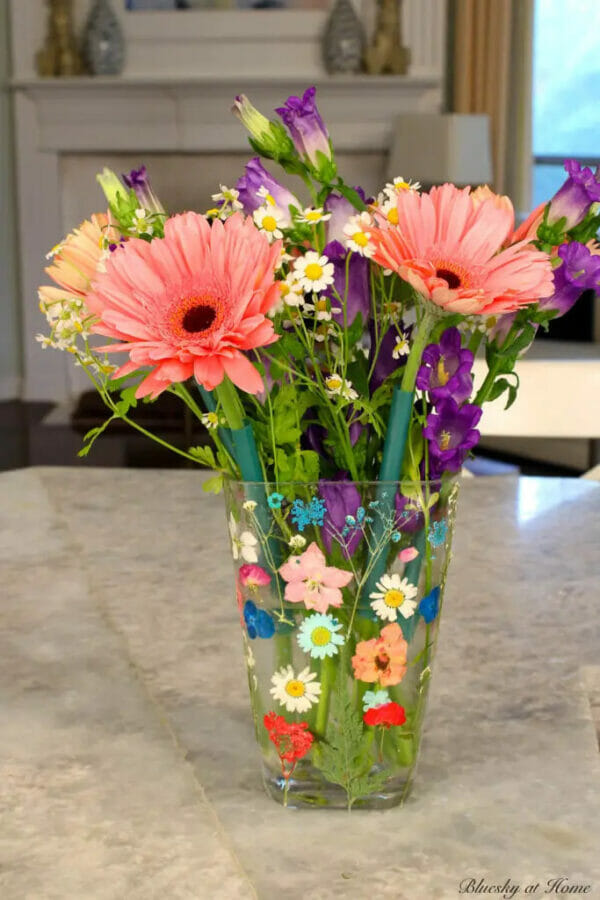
column 230, row 404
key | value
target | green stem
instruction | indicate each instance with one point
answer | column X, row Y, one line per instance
column 328, row 671
column 416, row 351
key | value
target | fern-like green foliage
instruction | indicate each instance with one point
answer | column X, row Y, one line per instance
column 345, row 758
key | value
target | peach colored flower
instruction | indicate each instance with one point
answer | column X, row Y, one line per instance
column 381, row 659
column 190, row 303
column 312, row 582
column 447, row 248
column 76, row 259
column 527, row 231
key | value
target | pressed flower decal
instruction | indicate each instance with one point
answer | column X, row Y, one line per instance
column 387, row 715
column 312, row 582
column 382, row 659
column 242, row 545
column 319, row 636
column 375, row 698
column 394, row 595
column 258, row 622
column 296, row 692
column 312, row 513
column 429, row 605
column 292, row 741
column 253, row 576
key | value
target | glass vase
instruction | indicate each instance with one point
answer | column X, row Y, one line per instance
column 339, row 588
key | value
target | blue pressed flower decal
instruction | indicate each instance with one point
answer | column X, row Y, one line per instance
column 312, row 513
column 429, row 605
column 318, row 635
column 275, row 500
column 258, row 622
column 437, row 533
column 372, row 699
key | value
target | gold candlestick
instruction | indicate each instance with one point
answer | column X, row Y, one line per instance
column 59, row 55
column 386, row 53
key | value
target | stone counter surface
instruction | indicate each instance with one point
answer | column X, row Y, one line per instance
column 128, row 769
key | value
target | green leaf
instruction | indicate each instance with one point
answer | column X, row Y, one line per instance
column 345, row 757
column 498, row 388
column 214, row 485
column 91, row 436
column 204, row 455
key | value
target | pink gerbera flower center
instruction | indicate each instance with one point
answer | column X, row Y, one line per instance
column 454, row 275
column 195, row 316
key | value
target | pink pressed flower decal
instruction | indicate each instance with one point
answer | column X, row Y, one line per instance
column 253, row 576
column 312, row 582
column 408, row 554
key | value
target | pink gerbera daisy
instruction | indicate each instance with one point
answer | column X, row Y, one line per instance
column 449, row 248
column 190, row 303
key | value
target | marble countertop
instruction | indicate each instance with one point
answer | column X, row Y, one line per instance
column 127, row 762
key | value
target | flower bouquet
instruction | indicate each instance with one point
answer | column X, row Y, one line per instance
column 326, row 341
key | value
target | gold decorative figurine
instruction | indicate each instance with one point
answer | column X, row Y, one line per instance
column 386, row 53
column 59, row 55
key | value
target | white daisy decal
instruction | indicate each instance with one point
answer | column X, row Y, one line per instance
column 296, row 692
column 313, row 271
column 393, row 595
column 244, row 544
column 318, row 635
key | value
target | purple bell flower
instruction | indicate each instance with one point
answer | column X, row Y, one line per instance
column 446, row 369
column 578, row 272
column 138, row 181
column 306, row 127
column 342, row 499
column 573, row 200
column 256, row 177
column 358, row 297
column 452, row 433
column 341, row 210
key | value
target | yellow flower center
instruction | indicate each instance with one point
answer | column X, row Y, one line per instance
column 401, row 344
column 270, row 200
column 269, row 223
column 334, row 382
column 313, row 216
column 295, row 688
column 321, row 305
column 212, row 418
column 394, row 598
column 212, row 212
column 360, row 238
column 442, row 376
column 402, row 185
column 284, row 289
column 313, row 271
column 444, row 440
column 313, row 584
column 320, row 636
column 392, row 216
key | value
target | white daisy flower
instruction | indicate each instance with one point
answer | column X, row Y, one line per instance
column 269, row 219
column 314, row 272
column 393, row 595
column 263, row 193
column 210, row 420
column 322, row 308
column 228, row 196
column 394, row 187
column 242, row 545
column 401, row 348
column 336, row 386
column 296, row 692
column 314, row 216
column 357, row 234
column 318, row 636
column 324, row 331
column 291, row 293
column 297, row 542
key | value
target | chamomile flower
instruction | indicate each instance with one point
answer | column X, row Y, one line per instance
column 269, row 219
column 141, row 223
column 313, row 216
column 314, row 272
column 210, row 420
column 291, row 293
column 242, row 545
column 398, row 184
column 229, row 197
column 263, row 193
column 356, row 231
column 296, row 692
column 393, row 595
column 322, row 309
column 336, row 386
column 323, row 331
column 318, row 635
column 401, row 347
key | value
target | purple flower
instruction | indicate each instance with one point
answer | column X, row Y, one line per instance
column 308, row 131
column 409, row 518
column 573, row 200
column 138, row 181
column 446, row 369
column 257, row 177
column 342, row 499
column 578, row 272
column 451, row 432
column 341, row 210
column 358, row 297
column 386, row 363
column 315, row 435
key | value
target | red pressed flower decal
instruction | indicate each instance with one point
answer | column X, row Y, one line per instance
column 388, row 714
column 292, row 740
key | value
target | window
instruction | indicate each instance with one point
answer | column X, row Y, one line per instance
column 566, row 90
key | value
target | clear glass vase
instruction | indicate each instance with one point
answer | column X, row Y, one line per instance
column 339, row 588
